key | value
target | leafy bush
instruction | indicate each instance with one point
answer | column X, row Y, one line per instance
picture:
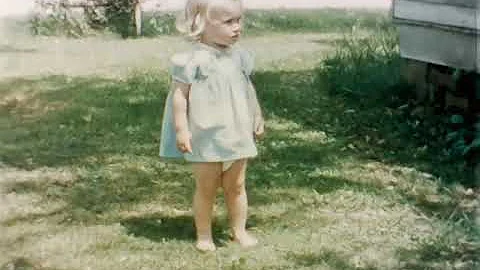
column 57, row 22
column 463, row 139
column 119, row 17
column 158, row 24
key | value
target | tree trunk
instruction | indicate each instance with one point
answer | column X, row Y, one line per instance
column 137, row 10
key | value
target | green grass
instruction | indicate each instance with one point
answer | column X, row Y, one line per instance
column 339, row 182
column 257, row 22
column 260, row 22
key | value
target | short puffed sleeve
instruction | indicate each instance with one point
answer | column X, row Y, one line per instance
column 182, row 68
column 247, row 59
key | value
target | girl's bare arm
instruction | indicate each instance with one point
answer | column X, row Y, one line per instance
column 259, row 120
column 181, row 92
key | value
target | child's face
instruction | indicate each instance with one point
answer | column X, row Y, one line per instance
column 224, row 26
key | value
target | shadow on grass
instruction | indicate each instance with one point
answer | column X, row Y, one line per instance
column 109, row 130
column 371, row 124
column 366, row 125
column 98, row 119
column 163, row 228
column 70, row 120
column 88, row 122
column 105, row 131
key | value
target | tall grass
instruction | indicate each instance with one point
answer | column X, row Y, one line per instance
column 364, row 65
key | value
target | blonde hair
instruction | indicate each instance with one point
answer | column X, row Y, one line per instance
column 193, row 20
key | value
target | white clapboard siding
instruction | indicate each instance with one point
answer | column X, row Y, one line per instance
column 442, row 14
column 458, row 3
column 444, row 32
column 438, row 46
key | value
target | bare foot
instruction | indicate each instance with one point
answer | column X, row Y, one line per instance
column 245, row 240
column 205, row 245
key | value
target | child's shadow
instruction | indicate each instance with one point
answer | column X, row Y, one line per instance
column 161, row 228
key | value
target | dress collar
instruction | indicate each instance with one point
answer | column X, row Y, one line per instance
column 216, row 51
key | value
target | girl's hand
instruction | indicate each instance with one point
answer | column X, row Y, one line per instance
column 184, row 139
column 259, row 128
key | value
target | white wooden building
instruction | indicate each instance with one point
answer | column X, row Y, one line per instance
column 443, row 32
column 436, row 37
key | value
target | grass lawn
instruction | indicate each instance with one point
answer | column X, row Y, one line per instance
column 345, row 179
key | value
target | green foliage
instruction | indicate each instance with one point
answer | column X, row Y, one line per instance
column 59, row 20
column 158, row 24
column 463, row 139
column 367, row 71
column 119, row 17
column 363, row 65
column 57, row 23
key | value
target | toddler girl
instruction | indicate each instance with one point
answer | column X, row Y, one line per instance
column 212, row 116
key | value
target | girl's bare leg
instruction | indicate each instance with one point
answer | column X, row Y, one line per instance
column 207, row 179
column 233, row 182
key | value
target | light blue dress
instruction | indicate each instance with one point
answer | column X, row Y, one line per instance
column 221, row 105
